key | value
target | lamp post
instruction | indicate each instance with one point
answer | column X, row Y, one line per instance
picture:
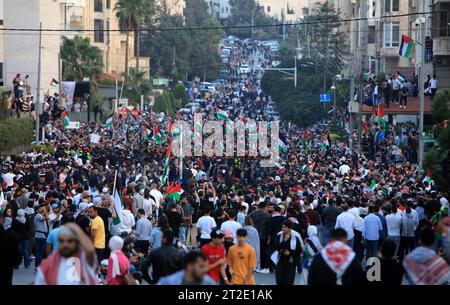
column 333, row 88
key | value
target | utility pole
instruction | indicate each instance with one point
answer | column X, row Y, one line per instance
column 422, row 23
column 363, row 61
column 253, row 20
column 38, row 95
column 59, row 77
column 117, row 84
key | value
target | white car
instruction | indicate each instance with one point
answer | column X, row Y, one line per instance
column 244, row 69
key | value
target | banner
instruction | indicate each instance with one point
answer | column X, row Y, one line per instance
column 68, row 88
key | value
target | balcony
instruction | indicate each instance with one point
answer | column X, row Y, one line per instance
column 389, row 52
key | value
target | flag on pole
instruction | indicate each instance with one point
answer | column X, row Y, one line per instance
column 406, row 46
column 174, row 192
column 221, row 114
column 118, row 208
column 166, row 163
column 282, row 146
column 373, row 185
column 54, row 83
column 65, row 119
column 400, row 79
column 109, row 123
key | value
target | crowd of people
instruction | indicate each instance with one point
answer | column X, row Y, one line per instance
column 322, row 214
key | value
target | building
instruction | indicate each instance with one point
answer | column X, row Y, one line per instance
column 19, row 51
column 219, row 9
column 288, row 10
column 441, row 42
column 1, row 46
column 174, row 7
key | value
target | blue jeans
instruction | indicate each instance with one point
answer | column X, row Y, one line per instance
column 371, row 248
column 350, row 242
column 40, row 250
column 182, row 235
column 25, row 254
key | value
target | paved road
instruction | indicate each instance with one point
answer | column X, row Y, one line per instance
column 24, row 276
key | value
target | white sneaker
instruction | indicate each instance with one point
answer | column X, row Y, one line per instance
column 265, row 271
column 258, row 270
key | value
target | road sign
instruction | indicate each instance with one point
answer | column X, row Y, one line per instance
column 325, row 98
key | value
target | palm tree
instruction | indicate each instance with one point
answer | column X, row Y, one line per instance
column 136, row 84
column 131, row 14
column 80, row 59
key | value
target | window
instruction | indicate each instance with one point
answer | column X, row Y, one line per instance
column 373, row 8
column 391, row 6
column 268, row 9
column 99, row 35
column 391, row 35
column 371, row 34
column 1, row 70
column 108, row 4
column 98, row 6
column 1, row 21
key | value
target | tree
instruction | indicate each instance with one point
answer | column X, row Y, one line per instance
column 132, row 14
column 80, row 60
column 136, row 85
column 179, row 92
column 242, row 14
column 440, row 107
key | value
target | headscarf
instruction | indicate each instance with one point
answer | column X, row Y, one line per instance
column 115, row 244
column 21, row 216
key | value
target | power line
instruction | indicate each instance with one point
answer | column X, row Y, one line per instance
column 218, row 28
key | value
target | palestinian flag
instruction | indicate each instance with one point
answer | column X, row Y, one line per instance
column 148, row 133
column 373, row 185
column 159, row 138
column 132, row 117
column 400, row 79
column 382, row 123
column 365, row 127
column 54, row 83
column 173, row 131
column 109, row 123
column 221, row 114
column 311, row 167
column 65, row 119
column 406, row 46
column 166, row 163
column 174, row 192
column 118, row 207
column 427, row 179
column 281, row 146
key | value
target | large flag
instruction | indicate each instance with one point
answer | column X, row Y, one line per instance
column 118, row 208
column 174, row 192
column 406, row 46
column 65, row 119
column 221, row 114
column 109, row 123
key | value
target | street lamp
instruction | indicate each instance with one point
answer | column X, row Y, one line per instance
column 333, row 88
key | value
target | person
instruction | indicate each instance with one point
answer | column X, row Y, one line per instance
column 290, row 246
column 329, row 216
column 241, row 259
column 164, row 261
column 186, row 225
column 345, row 221
column 260, row 218
column 408, row 225
column 423, row 266
column 75, row 249
column 393, row 222
column 97, row 233
column 205, row 225
column 253, row 240
column 52, row 238
column 10, row 256
column 143, row 232
column 41, row 232
column 371, row 232
column 175, row 219
column 127, row 222
column 391, row 271
column 194, row 272
column 156, row 235
column 433, row 86
column 403, row 96
column 215, row 256
column 312, row 247
column 231, row 225
column 118, row 263
column 336, row 263
column 21, row 229
column 96, row 110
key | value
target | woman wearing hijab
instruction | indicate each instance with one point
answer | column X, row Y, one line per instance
column 118, row 263
column 253, row 238
column 21, row 229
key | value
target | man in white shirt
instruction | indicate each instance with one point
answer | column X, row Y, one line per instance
column 433, row 86
column 231, row 225
column 345, row 221
column 393, row 223
column 205, row 225
column 344, row 169
column 157, row 195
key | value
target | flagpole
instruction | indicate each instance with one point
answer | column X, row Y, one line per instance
column 181, row 152
column 422, row 22
column 115, row 181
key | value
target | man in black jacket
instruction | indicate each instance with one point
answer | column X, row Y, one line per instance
column 10, row 256
column 164, row 260
column 336, row 263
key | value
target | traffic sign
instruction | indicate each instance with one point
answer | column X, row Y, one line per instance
column 325, row 98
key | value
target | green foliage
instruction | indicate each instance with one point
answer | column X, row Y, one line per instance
column 80, row 60
column 4, row 111
column 107, row 82
column 136, row 84
column 337, row 131
column 45, row 148
column 166, row 103
column 179, row 92
column 242, row 12
column 440, row 109
column 15, row 132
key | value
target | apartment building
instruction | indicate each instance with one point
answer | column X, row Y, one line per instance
column 441, row 42
column 219, row 9
column 289, row 10
column 1, row 45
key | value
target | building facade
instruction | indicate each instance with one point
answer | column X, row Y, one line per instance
column 441, row 42
column 219, row 9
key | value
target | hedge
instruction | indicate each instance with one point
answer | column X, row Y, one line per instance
column 15, row 132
